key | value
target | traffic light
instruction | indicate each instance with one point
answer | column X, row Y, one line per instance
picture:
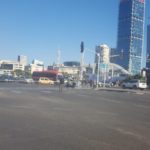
column 82, row 47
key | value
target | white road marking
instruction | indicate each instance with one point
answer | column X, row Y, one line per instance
column 46, row 91
column 16, row 91
column 142, row 106
column 139, row 93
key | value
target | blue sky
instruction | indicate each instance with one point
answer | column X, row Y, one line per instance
column 38, row 28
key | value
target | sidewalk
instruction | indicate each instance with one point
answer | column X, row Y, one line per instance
column 146, row 91
column 115, row 89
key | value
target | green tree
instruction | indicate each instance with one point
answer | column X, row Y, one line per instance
column 19, row 73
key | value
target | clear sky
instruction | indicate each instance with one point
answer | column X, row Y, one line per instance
column 38, row 28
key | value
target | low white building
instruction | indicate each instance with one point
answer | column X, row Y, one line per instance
column 8, row 66
column 35, row 66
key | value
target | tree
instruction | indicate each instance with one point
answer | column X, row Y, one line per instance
column 19, row 72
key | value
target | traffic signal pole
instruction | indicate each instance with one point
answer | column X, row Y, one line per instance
column 81, row 66
column 81, row 61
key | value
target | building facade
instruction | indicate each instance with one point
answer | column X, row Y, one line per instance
column 148, row 47
column 22, row 60
column 8, row 66
column 130, row 35
column 72, row 63
column 104, row 53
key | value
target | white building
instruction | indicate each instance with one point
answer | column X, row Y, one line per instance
column 104, row 52
column 22, row 60
column 7, row 66
column 38, row 62
column 35, row 66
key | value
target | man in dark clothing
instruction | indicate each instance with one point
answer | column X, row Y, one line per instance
column 61, row 84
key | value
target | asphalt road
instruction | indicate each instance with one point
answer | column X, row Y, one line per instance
column 34, row 117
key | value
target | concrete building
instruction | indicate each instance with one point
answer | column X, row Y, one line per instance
column 68, row 67
column 22, row 60
column 36, row 65
column 104, row 52
column 72, row 63
column 131, row 34
column 107, row 70
column 69, row 70
column 7, row 66
column 38, row 62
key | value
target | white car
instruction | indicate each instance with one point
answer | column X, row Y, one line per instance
column 25, row 80
column 134, row 84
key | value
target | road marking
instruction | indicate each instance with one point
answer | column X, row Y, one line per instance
column 46, row 91
column 142, row 106
column 133, row 134
column 83, row 95
column 16, row 91
column 139, row 93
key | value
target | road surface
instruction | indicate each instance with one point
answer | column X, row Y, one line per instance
column 36, row 117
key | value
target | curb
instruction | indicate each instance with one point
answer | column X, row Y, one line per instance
column 124, row 90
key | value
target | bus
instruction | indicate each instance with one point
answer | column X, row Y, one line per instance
column 52, row 75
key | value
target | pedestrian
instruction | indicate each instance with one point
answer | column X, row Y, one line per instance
column 91, row 83
column 61, row 84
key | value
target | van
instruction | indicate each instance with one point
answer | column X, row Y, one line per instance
column 134, row 84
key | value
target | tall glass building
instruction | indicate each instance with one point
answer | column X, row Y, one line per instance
column 130, row 34
column 148, row 47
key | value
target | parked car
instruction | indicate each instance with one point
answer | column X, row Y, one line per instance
column 134, row 84
column 7, row 78
column 24, row 80
column 29, row 80
column 45, row 80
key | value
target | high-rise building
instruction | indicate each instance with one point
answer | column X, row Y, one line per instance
column 104, row 52
column 22, row 60
column 130, row 34
column 102, row 56
column 148, row 47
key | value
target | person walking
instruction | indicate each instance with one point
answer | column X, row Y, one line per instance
column 61, row 84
